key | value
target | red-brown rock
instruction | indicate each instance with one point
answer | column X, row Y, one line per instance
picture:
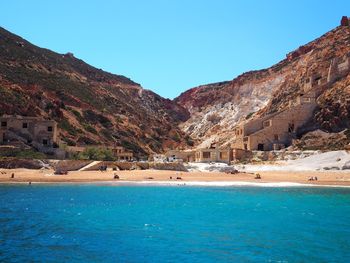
column 344, row 21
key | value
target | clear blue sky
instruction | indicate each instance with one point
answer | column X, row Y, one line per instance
column 171, row 46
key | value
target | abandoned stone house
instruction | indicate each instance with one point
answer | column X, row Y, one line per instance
column 186, row 156
column 39, row 133
column 277, row 130
column 122, row 154
column 214, row 155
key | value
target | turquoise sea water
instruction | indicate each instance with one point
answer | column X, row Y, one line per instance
column 96, row 223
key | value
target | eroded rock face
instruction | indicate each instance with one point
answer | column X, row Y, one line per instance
column 216, row 109
column 321, row 65
column 334, row 107
column 321, row 140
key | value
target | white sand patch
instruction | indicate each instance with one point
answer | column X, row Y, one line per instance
column 328, row 161
column 205, row 167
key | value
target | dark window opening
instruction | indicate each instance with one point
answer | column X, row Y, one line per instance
column 45, row 142
column 25, row 125
column 206, row 155
column 291, row 127
column 260, row 147
column 245, row 146
column 4, row 124
column 276, row 137
column 49, row 128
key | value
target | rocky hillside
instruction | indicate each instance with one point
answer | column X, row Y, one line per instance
column 91, row 106
column 216, row 108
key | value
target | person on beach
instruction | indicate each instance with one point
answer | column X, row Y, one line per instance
column 103, row 168
column 257, row 176
column 312, row 178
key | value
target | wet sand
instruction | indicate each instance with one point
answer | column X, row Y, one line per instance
column 26, row 175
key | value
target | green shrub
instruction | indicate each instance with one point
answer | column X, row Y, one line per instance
column 65, row 125
column 69, row 141
column 23, row 154
column 98, row 154
column 30, row 154
column 249, row 115
column 132, row 147
column 95, row 118
column 89, row 128
column 77, row 115
column 176, row 137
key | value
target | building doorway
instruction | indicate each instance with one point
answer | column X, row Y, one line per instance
column 291, row 127
column 260, row 147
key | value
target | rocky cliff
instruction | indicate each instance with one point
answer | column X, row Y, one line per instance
column 91, row 106
column 321, row 65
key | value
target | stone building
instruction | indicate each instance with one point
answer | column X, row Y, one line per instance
column 275, row 131
column 214, row 155
column 41, row 134
column 186, row 156
column 121, row 154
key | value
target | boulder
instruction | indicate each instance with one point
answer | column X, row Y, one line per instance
column 346, row 166
column 331, row 168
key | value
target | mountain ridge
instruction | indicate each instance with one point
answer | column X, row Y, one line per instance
column 91, row 106
column 217, row 109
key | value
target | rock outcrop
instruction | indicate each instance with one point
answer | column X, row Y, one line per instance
column 322, row 65
column 96, row 107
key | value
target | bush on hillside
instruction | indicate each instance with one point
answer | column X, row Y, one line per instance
column 97, row 154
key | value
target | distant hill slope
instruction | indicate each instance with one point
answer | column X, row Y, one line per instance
column 96, row 107
column 217, row 108
column 91, row 106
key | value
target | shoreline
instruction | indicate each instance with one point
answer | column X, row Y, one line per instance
column 184, row 183
column 162, row 177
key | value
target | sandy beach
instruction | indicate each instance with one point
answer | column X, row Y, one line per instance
column 42, row 176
